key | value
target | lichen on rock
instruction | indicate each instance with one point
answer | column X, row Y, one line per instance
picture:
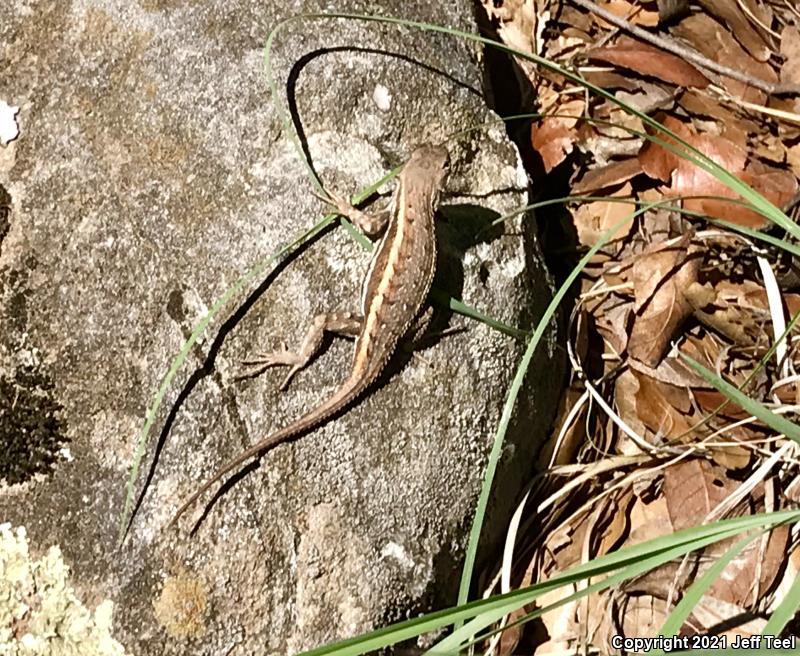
column 39, row 612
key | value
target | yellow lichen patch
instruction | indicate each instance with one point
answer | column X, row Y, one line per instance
column 40, row 615
column 181, row 607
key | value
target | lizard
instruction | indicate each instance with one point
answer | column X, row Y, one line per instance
column 394, row 294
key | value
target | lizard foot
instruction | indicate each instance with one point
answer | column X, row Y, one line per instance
column 280, row 358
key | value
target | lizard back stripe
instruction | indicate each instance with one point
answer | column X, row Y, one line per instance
column 371, row 318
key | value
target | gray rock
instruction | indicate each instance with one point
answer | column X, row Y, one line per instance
column 150, row 172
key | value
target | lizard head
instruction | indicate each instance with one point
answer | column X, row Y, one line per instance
column 427, row 169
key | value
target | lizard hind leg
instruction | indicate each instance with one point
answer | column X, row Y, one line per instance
column 345, row 324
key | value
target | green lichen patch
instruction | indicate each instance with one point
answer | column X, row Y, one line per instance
column 31, row 432
column 39, row 612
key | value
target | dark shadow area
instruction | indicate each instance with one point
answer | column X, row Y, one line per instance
column 509, row 93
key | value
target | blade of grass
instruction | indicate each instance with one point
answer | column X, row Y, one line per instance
column 669, row 546
column 511, row 399
column 775, row 422
column 785, row 611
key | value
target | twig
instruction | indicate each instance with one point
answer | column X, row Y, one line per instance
column 687, row 53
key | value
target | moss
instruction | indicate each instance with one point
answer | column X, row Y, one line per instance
column 39, row 612
column 31, row 433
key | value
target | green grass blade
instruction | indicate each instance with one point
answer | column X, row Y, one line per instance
column 511, row 399
column 785, row 611
column 695, row 592
column 775, row 422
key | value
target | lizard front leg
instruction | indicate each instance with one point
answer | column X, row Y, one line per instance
column 345, row 324
column 371, row 224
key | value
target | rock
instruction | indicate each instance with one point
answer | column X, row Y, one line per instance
column 150, row 172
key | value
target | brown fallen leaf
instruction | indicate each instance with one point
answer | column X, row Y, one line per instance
column 715, row 42
column 648, row 60
column 693, row 488
column 660, row 275
column 790, row 50
column 776, row 185
column 688, row 179
column 746, row 579
column 658, row 413
column 610, row 175
column 593, row 220
column 659, row 162
column 725, row 313
column 612, row 321
column 745, row 31
column 625, row 390
column 710, row 400
column 555, row 136
column 672, row 371
column 630, row 11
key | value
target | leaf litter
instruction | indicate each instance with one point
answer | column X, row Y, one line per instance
column 644, row 446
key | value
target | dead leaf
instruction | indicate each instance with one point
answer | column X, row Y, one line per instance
column 610, row 175
column 753, row 570
column 658, row 413
column 648, row 60
column 625, row 390
column 688, row 179
column 593, row 220
column 672, row 371
column 743, row 29
column 554, row 136
column 632, row 12
column 659, row 276
column 649, row 521
column 790, row 49
column 712, row 40
column 657, row 161
column 612, row 321
column 709, row 400
column 693, row 488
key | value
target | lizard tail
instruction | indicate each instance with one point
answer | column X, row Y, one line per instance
column 347, row 393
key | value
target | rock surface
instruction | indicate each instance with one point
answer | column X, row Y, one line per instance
column 150, row 172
